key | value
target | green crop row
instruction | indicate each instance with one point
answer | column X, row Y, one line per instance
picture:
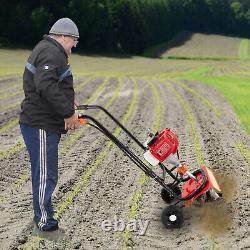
column 235, row 89
column 13, row 150
column 203, row 99
column 9, row 125
column 10, row 106
column 198, row 151
column 76, row 135
column 6, row 76
column 237, row 92
column 243, row 151
column 132, row 213
column 23, row 179
column 191, row 121
column 11, row 87
column 239, row 145
column 79, row 87
column 10, row 95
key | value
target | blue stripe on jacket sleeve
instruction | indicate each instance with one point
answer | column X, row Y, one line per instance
column 31, row 67
column 65, row 74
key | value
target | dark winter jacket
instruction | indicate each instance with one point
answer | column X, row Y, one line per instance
column 48, row 87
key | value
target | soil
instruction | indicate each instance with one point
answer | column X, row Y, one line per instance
column 108, row 193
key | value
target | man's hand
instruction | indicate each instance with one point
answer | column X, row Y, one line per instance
column 71, row 122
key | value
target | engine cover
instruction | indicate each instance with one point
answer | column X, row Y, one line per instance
column 163, row 146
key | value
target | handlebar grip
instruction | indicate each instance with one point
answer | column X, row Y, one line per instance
column 82, row 107
column 82, row 121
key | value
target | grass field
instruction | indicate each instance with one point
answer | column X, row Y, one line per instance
column 236, row 90
column 197, row 45
column 227, row 67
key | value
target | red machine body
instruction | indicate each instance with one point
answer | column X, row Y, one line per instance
column 165, row 145
column 191, row 185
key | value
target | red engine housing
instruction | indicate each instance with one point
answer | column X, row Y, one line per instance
column 191, row 185
column 165, row 145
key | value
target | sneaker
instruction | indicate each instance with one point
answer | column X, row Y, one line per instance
column 46, row 229
column 52, row 234
column 55, row 235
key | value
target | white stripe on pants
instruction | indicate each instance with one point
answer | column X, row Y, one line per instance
column 43, row 176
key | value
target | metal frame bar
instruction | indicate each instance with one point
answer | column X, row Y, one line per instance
column 136, row 160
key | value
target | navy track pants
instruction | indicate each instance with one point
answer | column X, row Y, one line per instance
column 42, row 147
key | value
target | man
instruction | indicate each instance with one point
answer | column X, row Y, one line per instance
column 47, row 111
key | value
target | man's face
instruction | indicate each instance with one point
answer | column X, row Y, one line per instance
column 69, row 42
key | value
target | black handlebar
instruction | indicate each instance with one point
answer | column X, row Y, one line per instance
column 135, row 159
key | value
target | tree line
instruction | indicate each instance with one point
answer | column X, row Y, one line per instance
column 129, row 26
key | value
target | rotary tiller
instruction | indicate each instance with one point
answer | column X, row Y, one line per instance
column 159, row 149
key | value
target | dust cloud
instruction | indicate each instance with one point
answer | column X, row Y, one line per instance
column 215, row 217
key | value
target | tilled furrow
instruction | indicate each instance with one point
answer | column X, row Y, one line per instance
column 156, row 236
column 18, row 165
column 225, row 160
column 7, row 119
column 230, row 120
column 13, row 213
column 7, row 82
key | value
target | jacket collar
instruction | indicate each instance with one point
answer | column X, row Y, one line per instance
column 53, row 41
